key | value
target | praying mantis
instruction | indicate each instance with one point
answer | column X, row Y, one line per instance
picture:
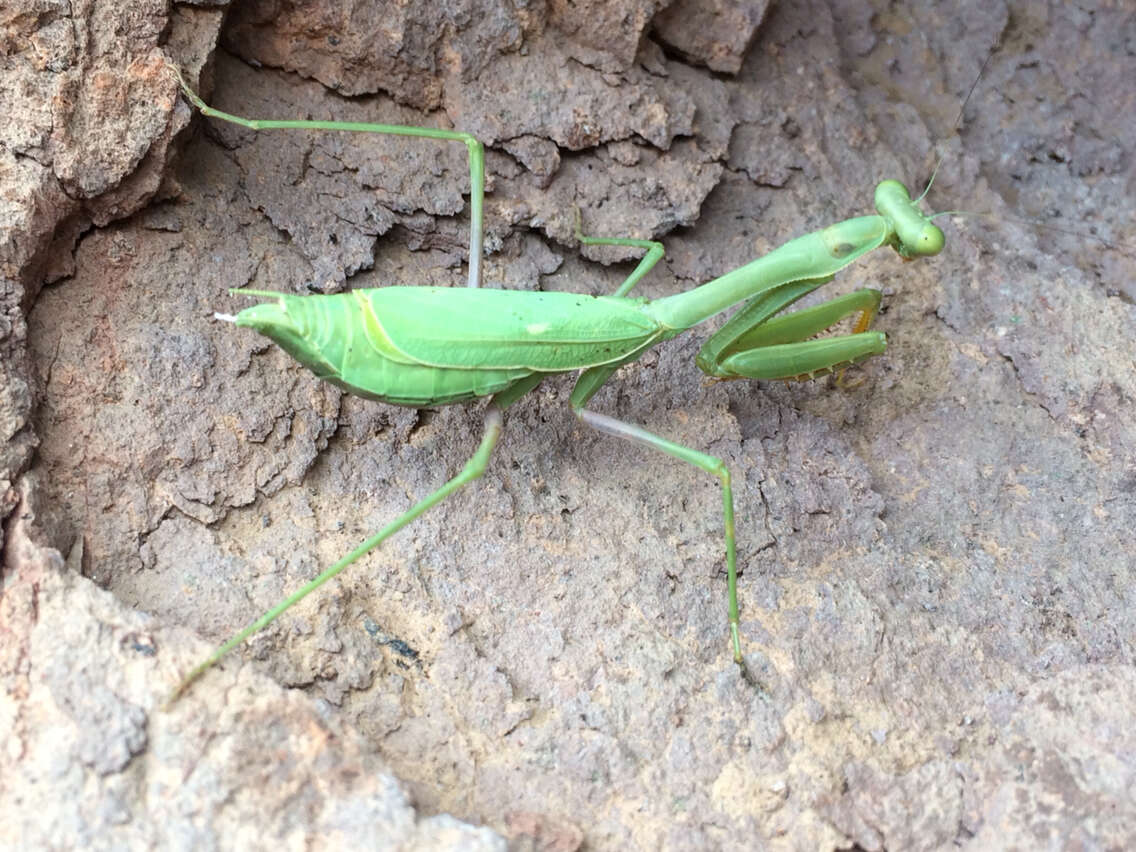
column 911, row 625
column 422, row 347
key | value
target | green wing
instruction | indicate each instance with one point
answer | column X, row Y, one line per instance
column 467, row 328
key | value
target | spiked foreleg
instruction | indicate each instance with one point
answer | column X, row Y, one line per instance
column 781, row 348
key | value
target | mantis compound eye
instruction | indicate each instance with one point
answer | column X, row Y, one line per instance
column 929, row 241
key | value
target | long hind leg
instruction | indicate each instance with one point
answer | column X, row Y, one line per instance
column 473, row 469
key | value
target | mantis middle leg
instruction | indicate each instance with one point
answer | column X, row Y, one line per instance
column 591, row 381
column 588, row 384
column 646, row 263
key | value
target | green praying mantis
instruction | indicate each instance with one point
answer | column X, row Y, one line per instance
column 430, row 346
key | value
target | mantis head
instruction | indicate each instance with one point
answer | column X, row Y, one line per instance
column 913, row 233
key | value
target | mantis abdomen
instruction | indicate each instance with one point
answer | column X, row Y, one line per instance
column 428, row 346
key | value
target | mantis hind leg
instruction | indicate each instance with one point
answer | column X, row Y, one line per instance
column 708, row 463
column 473, row 469
column 473, row 146
column 653, row 248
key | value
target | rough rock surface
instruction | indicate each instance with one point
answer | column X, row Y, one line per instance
column 939, row 601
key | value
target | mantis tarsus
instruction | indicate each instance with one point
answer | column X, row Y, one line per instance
column 429, row 346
